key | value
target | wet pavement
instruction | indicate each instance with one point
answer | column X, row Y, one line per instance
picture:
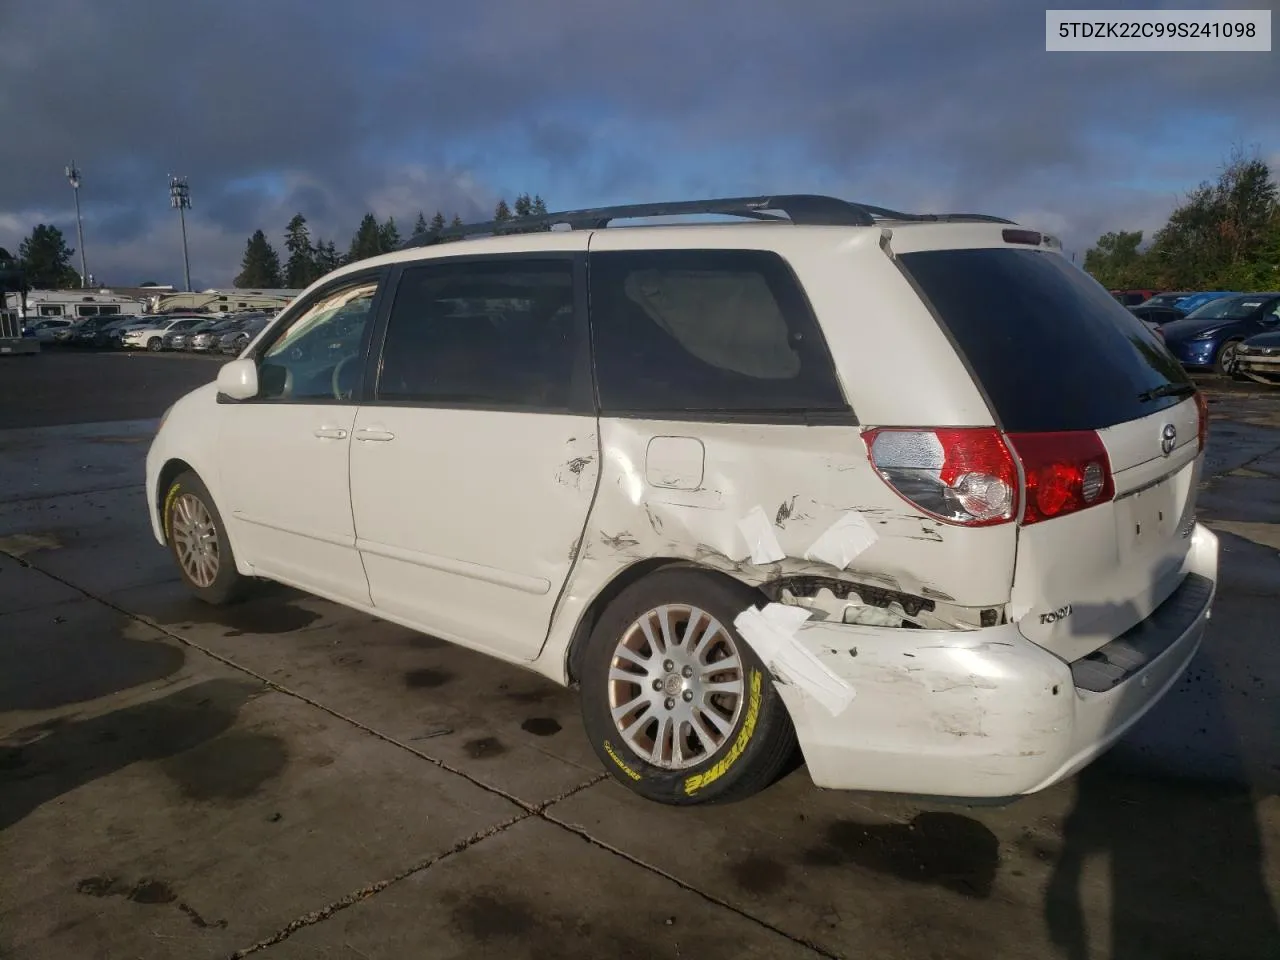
column 290, row 778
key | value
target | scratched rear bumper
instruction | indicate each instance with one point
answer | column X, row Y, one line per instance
column 973, row 714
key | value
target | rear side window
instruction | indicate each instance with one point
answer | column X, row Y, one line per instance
column 706, row 332
column 1051, row 347
column 500, row 333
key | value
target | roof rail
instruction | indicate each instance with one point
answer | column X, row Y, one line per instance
column 797, row 208
column 884, row 214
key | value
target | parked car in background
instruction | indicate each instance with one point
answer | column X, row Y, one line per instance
column 46, row 330
column 118, row 331
column 1258, row 358
column 1195, row 301
column 179, row 338
column 232, row 343
column 1156, row 315
column 1131, row 298
column 89, row 330
column 1208, row 338
column 151, row 336
column 1166, row 299
column 207, row 340
column 108, row 334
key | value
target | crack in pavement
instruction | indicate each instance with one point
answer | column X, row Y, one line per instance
column 372, row 889
column 29, row 498
column 528, row 810
column 582, row 834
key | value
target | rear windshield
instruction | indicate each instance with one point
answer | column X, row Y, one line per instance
column 1051, row 347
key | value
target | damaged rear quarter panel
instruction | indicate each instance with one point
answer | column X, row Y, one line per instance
column 804, row 478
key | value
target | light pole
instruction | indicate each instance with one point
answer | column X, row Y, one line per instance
column 180, row 198
column 73, row 178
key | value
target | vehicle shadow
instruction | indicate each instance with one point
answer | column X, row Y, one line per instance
column 1184, row 859
column 41, row 763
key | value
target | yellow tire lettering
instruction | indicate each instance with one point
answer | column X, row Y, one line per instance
column 608, row 748
column 699, row 780
column 168, row 511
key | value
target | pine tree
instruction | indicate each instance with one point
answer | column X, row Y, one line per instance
column 260, row 268
column 327, row 258
column 437, row 224
column 502, row 211
column 301, row 269
column 388, row 236
column 367, row 241
column 539, row 208
column 420, row 225
column 45, row 260
column 523, row 205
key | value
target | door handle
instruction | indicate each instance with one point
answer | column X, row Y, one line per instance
column 331, row 433
column 381, row 436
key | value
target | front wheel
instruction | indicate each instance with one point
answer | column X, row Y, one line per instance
column 1227, row 358
column 676, row 705
column 155, row 344
column 197, row 537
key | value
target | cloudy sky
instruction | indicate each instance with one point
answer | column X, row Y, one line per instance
column 331, row 108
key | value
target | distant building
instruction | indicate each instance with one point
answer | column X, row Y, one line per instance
column 224, row 301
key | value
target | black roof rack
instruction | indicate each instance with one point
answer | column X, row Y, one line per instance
column 797, row 208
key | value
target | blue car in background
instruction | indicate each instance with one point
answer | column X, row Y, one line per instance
column 1208, row 338
column 1194, row 301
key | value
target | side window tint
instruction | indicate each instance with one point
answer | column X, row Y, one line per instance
column 706, row 330
column 498, row 333
column 319, row 355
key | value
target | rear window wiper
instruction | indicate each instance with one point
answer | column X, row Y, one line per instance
column 1167, row 390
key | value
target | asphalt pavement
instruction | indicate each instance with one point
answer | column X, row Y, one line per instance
column 290, row 778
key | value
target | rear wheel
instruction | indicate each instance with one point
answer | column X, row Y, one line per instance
column 676, row 705
column 197, row 537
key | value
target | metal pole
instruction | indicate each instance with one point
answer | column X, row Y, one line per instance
column 73, row 177
column 180, row 197
column 186, row 263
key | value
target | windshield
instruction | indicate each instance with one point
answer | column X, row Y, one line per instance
column 1230, row 309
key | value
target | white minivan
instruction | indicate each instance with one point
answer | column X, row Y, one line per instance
column 912, row 491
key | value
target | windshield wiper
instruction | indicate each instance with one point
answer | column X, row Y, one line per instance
column 1167, row 390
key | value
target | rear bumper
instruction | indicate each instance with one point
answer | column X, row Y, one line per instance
column 987, row 713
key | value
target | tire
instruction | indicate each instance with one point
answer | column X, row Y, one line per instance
column 761, row 740
column 155, row 344
column 1224, row 363
column 179, row 507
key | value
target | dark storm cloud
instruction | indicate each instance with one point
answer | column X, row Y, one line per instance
column 335, row 108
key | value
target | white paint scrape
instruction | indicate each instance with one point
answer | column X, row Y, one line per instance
column 771, row 632
column 761, row 540
column 841, row 542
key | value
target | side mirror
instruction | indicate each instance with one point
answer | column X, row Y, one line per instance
column 238, row 379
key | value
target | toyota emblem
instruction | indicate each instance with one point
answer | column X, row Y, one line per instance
column 1168, row 439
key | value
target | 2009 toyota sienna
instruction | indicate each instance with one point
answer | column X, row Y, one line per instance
column 913, row 491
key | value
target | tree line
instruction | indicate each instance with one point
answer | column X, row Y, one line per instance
column 1224, row 236
column 308, row 260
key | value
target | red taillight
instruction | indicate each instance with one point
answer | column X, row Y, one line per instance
column 1062, row 473
column 1202, row 409
column 968, row 475
column 961, row 475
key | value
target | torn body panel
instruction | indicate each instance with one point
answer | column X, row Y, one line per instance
column 803, row 482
